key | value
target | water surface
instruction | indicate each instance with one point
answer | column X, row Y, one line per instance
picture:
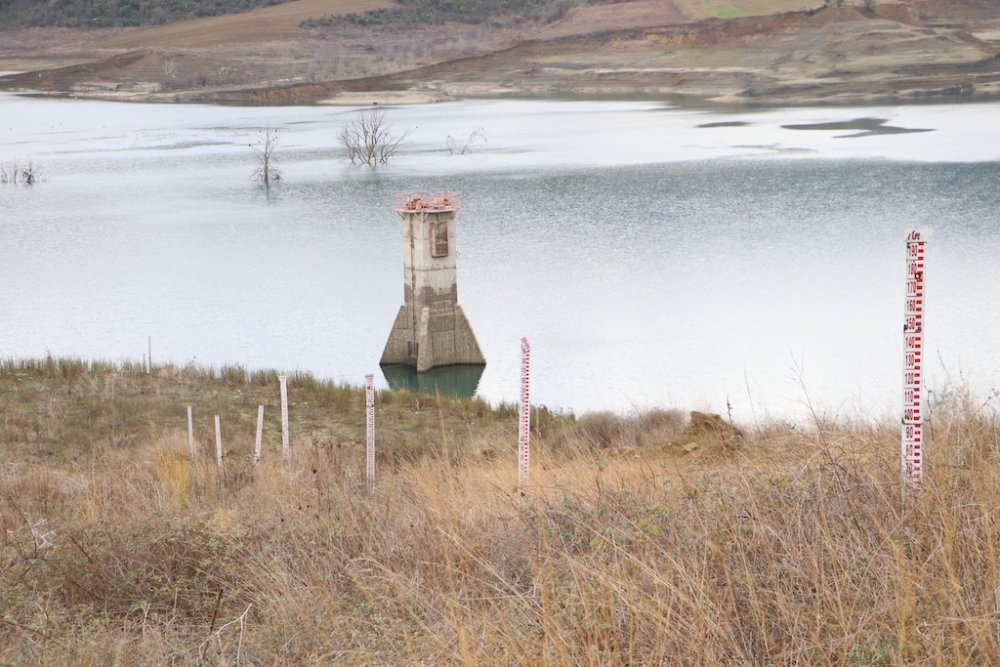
column 653, row 256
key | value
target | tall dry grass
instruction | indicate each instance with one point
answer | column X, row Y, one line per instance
column 796, row 548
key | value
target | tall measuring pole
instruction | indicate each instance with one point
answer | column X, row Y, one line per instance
column 370, row 430
column 912, row 443
column 524, row 431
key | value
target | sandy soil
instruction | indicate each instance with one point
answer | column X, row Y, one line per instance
column 668, row 49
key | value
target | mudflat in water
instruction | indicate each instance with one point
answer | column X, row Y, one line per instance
column 863, row 127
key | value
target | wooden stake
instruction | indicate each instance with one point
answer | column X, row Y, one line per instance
column 286, row 450
column 191, row 447
column 259, row 442
column 218, row 441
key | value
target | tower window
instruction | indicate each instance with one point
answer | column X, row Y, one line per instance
column 439, row 239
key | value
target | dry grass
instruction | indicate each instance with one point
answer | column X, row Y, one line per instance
column 796, row 549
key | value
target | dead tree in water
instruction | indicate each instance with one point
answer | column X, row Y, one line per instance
column 368, row 139
column 17, row 174
column 461, row 147
column 264, row 151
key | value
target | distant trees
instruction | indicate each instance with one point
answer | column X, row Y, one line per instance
column 14, row 13
column 369, row 140
column 442, row 11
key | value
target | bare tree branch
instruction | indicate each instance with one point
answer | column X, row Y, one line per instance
column 368, row 139
column 461, row 148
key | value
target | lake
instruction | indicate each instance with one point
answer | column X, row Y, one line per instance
column 654, row 256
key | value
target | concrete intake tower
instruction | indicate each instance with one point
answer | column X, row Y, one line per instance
column 431, row 329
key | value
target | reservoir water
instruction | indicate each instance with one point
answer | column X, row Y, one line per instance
column 654, row 256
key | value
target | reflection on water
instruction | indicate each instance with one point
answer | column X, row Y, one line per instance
column 461, row 380
column 652, row 256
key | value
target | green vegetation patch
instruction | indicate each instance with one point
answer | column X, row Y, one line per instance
column 443, row 11
column 116, row 13
column 59, row 410
column 730, row 12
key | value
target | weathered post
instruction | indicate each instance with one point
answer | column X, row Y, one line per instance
column 218, row 441
column 286, row 451
column 191, row 448
column 258, row 445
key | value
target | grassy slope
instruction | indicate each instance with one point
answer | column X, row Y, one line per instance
column 791, row 549
column 703, row 9
column 90, row 407
column 102, row 13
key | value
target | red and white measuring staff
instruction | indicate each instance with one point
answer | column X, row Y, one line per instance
column 524, row 430
column 913, row 362
column 370, row 430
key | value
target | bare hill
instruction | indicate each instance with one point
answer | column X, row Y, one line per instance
column 723, row 51
column 280, row 22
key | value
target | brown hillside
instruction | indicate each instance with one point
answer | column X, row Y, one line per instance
column 723, row 51
column 831, row 55
column 624, row 15
column 260, row 25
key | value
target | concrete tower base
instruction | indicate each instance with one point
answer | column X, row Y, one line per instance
column 441, row 338
column 430, row 330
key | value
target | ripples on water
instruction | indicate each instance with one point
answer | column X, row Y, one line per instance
column 649, row 260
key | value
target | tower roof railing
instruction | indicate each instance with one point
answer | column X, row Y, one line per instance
column 419, row 203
